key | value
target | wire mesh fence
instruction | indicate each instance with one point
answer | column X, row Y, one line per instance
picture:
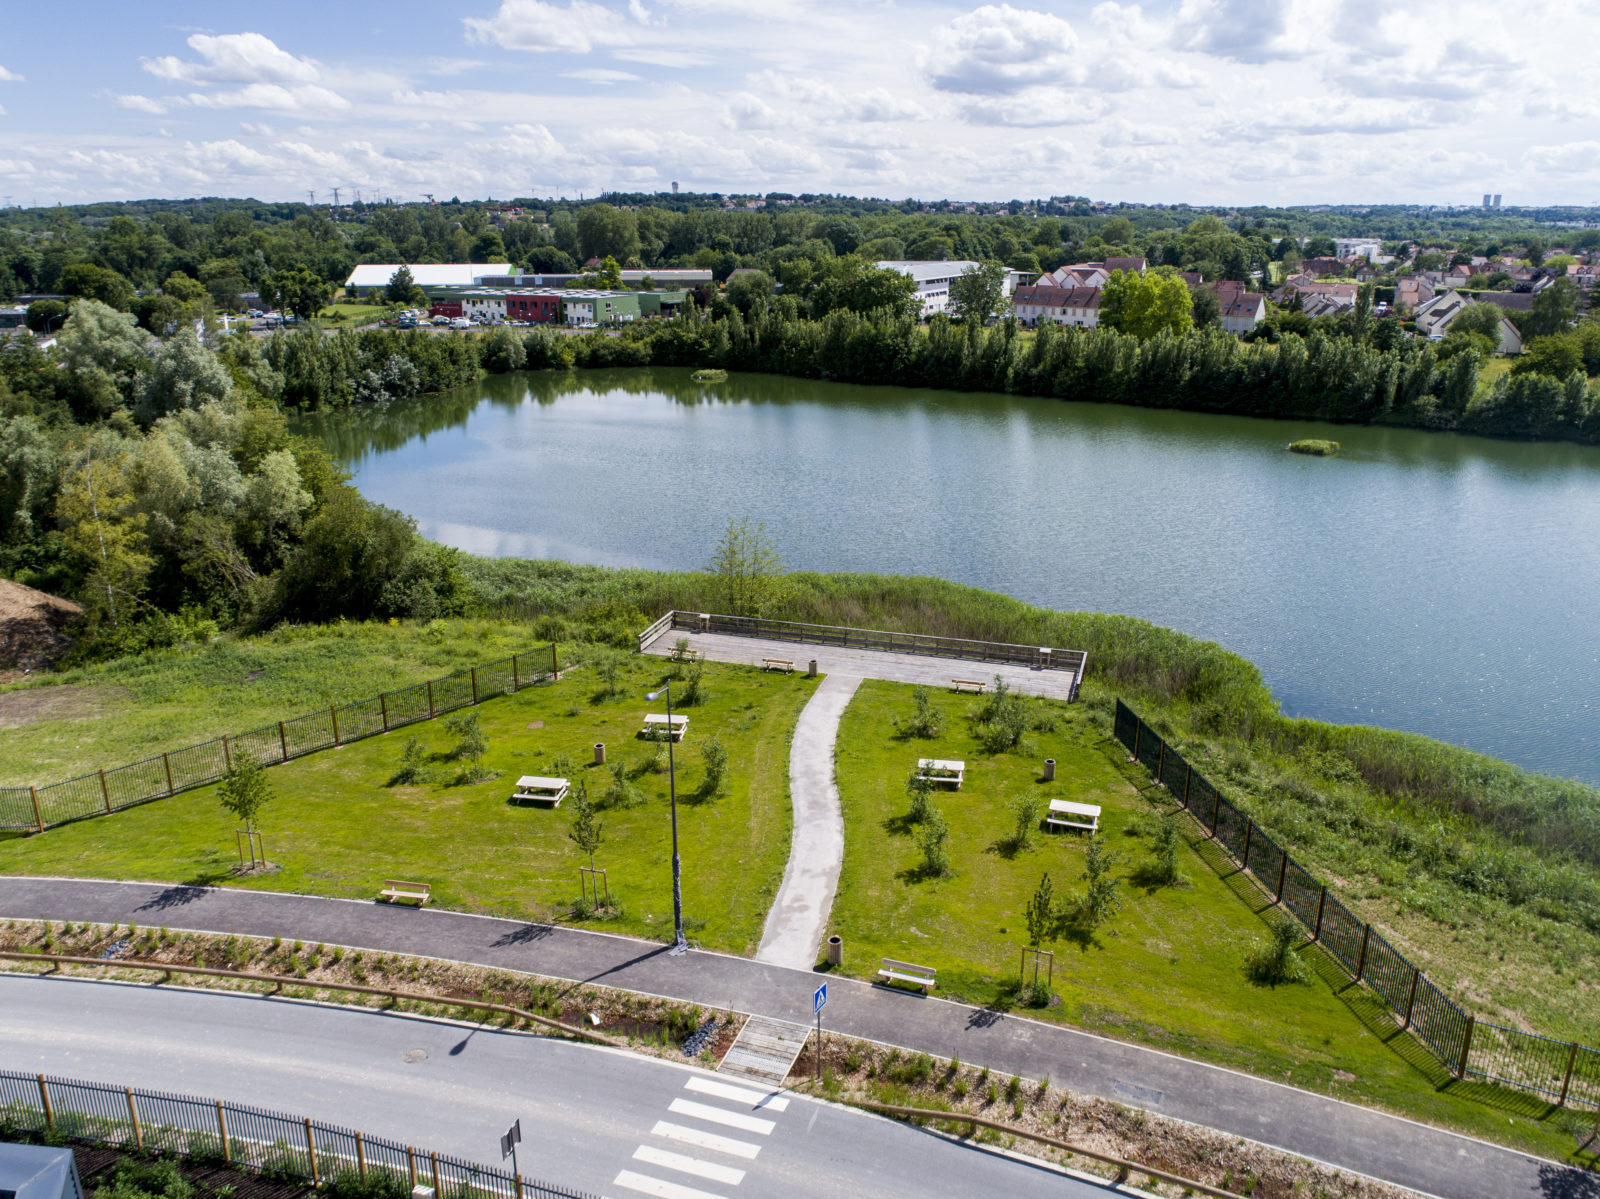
column 1565, row 1072
column 273, row 1144
column 35, row 809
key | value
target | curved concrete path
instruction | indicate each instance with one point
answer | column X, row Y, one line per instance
column 798, row 918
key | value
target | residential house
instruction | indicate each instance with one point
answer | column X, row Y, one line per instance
column 1435, row 317
column 1584, row 275
column 1082, row 274
column 1045, row 302
column 1411, row 293
column 1357, row 247
column 1318, row 304
column 1322, row 266
column 1134, row 266
column 1242, row 310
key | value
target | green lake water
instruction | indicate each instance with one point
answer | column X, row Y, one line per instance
column 1439, row 584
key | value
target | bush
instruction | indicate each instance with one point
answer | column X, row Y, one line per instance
column 715, row 756
column 924, row 721
column 1274, row 961
column 921, row 792
column 1162, row 868
column 1100, row 900
column 620, row 792
column 1025, row 808
column 933, row 835
column 1002, row 721
column 503, row 351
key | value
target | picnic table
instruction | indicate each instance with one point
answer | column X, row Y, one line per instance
column 657, row 722
column 1066, row 814
column 939, row 770
column 532, row 788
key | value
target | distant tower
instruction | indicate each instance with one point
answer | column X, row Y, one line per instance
column 1497, row 201
column 674, row 187
column 1486, row 200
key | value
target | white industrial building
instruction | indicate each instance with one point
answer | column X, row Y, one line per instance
column 933, row 280
column 426, row 274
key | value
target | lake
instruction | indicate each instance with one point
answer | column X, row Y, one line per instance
column 1422, row 581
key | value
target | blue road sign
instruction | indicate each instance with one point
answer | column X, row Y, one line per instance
column 818, row 999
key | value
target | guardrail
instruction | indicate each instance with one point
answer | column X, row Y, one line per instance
column 273, row 1144
column 1073, row 661
column 282, row 980
column 1123, row 1166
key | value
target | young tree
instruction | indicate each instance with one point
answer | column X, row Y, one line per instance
column 586, row 831
column 1146, row 305
column 1554, row 310
column 1040, row 913
column 1206, row 310
column 296, row 291
column 747, row 565
column 715, row 756
column 244, row 792
column 1162, row 869
column 402, row 287
column 979, row 292
column 1025, row 808
column 1274, row 961
column 99, row 525
column 1100, row 899
column 933, row 836
column 471, row 744
column 921, row 792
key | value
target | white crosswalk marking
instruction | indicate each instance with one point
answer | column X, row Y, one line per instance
column 705, row 1140
column 688, row 1165
column 762, row 1099
column 715, row 1115
column 660, row 1187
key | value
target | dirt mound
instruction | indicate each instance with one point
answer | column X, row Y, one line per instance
column 30, row 629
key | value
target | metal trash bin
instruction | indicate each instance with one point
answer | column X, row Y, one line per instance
column 1049, row 770
column 599, row 753
column 835, row 950
column 812, row 670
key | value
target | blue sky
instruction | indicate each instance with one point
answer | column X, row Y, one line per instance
column 1210, row 101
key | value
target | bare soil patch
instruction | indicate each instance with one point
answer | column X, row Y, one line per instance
column 31, row 629
column 29, row 705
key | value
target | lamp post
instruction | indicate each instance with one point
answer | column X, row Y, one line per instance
column 679, row 945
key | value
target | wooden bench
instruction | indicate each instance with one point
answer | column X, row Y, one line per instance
column 685, row 655
column 976, row 686
column 655, row 726
column 1066, row 814
column 534, row 789
column 783, row 664
column 907, row 972
column 396, row 889
column 938, row 770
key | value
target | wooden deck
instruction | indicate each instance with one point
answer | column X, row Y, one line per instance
column 863, row 663
column 765, row 1050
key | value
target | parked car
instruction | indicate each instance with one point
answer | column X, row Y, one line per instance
column 460, row 322
column 441, row 320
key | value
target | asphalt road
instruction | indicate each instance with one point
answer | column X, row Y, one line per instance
column 603, row 1121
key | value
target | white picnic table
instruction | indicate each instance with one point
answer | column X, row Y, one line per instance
column 941, row 770
column 538, row 789
column 658, row 720
column 1074, row 815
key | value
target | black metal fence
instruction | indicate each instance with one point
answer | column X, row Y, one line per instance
column 1565, row 1072
column 270, row 1143
column 1074, row 661
column 38, row 808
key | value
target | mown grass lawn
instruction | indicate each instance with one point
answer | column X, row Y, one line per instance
column 103, row 716
column 1168, row 970
column 334, row 827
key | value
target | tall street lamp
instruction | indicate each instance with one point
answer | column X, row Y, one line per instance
column 680, row 945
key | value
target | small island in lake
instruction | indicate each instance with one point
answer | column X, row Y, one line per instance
column 709, row 375
column 1314, row 445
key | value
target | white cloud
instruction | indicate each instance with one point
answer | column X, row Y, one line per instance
column 10, row 76
column 575, row 27
column 997, row 49
column 454, row 66
column 271, row 95
column 1038, row 108
column 1578, row 158
column 256, row 128
column 150, row 104
column 3, row 110
column 234, row 58
column 1248, row 31
column 678, row 60
column 602, row 75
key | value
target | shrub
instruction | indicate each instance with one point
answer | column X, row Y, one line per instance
column 1100, row 898
column 933, row 836
column 921, row 792
column 1025, row 808
column 924, row 720
column 1002, row 720
column 715, row 756
column 1162, row 868
column 1274, row 961
column 620, row 792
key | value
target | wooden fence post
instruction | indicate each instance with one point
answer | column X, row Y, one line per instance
column 1249, row 827
column 1361, row 961
column 1138, row 727
column 227, row 753
column 1283, row 869
column 474, row 684
column 430, row 699
column 311, row 1151
column 361, row 1157
column 133, row 1116
column 517, row 1179
column 167, row 763
column 1411, row 1000
column 1322, row 901
column 1572, row 1060
column 1466, row 1047
column 333, row 715
column 44, row 1101
column 1161, row 761
column 105, row 792
column 222, row 1131
column 383, row 706
column 1216, row 811
column 554, row 668
column 411, row 1164
column 37, row 817
column 516, row 684
column 283, row 741
column 1188, row 776
column 434, row 1158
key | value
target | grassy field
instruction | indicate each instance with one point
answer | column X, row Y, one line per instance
column 1168, row 970
column 101, row 716
column 351, row 315
column 334, row 827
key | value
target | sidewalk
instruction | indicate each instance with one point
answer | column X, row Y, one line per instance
column 1388, row 1147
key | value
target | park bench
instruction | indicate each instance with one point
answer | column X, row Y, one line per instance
column 396, row 889
column 783, row 664
column 656, row 726
column 1066, row 814
column 938, row 770
column 534, row 789
column 976, row 686
column 685, row 655
column 906, row 972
